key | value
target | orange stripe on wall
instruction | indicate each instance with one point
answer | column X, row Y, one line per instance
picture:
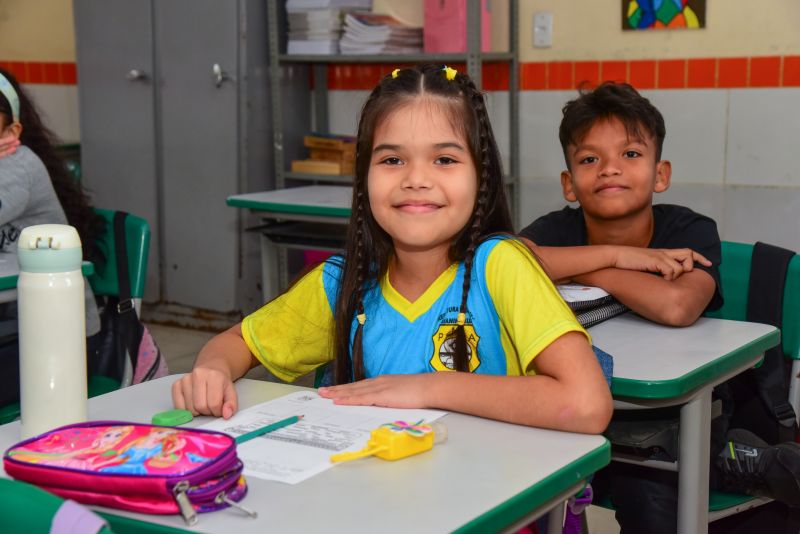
column 694, row 73
column 689, row 73
column 42, row 72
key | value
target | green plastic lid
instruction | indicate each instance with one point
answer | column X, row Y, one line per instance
column 49, row 248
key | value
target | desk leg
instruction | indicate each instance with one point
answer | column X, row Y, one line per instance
column 555, row 519
column 270, row 270
column 693, row 465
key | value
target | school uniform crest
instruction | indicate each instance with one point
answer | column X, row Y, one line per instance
column 444, row 348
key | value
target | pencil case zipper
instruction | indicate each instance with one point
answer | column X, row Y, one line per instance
column 223, row 492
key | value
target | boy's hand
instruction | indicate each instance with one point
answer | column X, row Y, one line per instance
column 206, row 391
column 391, row 391
column 670, row 263
column 8, row 145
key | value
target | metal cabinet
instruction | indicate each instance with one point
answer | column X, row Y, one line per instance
column 174, row 118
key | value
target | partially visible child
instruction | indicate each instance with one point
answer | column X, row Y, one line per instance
column 612, row 139
column 35, row 188
column 430, row 283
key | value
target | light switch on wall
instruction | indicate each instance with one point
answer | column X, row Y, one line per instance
column 542, row 29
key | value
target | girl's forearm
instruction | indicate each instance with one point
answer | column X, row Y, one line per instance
column 539, row 401
column 227, row 352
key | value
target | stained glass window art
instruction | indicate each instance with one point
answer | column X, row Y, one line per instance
column 663, row 14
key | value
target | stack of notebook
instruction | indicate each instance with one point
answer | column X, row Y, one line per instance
column 591, row 305
column 315, row 26
column 373, row 33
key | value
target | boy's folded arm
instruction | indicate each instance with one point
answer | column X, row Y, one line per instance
column 563, row 263
column 677, row 302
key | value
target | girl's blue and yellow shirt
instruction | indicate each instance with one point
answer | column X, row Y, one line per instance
column 514, row 312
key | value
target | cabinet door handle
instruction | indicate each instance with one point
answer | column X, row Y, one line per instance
column 220, row 75
column 136, row 75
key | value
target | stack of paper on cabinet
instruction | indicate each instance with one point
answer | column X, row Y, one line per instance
column 315, row 26
column 373, row 33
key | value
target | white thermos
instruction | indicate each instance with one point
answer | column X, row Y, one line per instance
column 52, row 328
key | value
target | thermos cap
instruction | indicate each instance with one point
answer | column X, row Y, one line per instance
column 47, row 248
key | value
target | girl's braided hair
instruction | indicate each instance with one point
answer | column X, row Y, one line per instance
column 369, row 247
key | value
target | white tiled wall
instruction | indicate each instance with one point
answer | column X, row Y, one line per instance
column 696, row 128
column 764, row 137
column 540, row 151
column 733, row 154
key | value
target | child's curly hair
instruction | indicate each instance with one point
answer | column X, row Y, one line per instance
column 37, row 137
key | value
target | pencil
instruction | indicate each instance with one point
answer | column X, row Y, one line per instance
column 269, row 428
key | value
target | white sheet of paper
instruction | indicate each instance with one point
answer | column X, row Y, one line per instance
column 299, row 451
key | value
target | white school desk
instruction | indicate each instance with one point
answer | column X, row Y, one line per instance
column 325, row 204
column 9, row 273
column 657, row 365
column 487, row 477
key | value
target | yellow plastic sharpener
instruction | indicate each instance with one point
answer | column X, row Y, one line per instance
column 389, row 444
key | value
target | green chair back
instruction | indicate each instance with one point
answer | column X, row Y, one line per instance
column 735, row 275
column 26, row 508
column 104, row 281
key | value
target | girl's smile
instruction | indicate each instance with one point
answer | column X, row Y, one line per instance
column 417, row 206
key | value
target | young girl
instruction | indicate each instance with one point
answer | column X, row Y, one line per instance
column 428, row 283
column 36, row 187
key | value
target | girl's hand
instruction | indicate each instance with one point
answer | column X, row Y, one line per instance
column 670, row 263
column 206, row 391
column 389, row 391
column 8, row 144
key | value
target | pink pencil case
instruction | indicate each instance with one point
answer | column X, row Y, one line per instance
column 139, row 467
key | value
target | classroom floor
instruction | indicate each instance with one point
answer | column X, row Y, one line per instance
column 181, row 345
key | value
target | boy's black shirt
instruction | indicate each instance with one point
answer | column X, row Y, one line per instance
column 673, row 227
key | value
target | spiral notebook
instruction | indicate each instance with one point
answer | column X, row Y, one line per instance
column 591, row 305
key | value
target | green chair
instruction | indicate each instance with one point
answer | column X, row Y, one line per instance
column 735, row 277
column 26, row 508
column 735, row 274
column 105, row 281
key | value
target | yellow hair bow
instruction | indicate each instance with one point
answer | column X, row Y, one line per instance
column 449, row 73
column 395, row 73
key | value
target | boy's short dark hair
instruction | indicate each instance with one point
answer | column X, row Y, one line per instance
column 611, row 100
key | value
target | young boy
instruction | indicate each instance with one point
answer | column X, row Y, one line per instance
column 612, row 139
